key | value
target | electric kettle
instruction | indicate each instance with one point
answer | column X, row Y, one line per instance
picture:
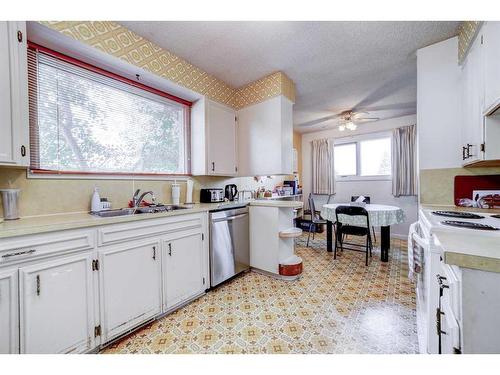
column 230, row 192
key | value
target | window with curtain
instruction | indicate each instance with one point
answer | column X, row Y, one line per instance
column 82, row 121
column 368, row 158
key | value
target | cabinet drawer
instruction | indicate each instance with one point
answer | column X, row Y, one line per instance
column 116, row 233
column 26, row 248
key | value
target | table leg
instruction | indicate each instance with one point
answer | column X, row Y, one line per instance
column 385, row 243
column 329, row 235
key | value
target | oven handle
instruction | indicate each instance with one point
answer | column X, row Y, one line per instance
column 413, row 234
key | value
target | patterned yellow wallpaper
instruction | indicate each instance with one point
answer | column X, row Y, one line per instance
column 120, row 42
column 267, row 87
column 466, row 33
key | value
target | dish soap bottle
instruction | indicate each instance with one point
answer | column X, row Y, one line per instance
column 95, row 203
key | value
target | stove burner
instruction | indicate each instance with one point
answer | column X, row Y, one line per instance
column 495, row 216
column 469, row 225
column 458, row 215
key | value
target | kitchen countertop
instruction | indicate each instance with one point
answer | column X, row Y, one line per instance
column 51, row 223
column 466, row 248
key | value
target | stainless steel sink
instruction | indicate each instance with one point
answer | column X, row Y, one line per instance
column 160, row 208
column 139, row 210
column 117, row 212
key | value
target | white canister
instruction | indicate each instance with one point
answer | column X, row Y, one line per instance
column 189, row 191
column 176, row 193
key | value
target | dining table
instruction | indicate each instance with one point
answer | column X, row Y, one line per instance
column 379, row 215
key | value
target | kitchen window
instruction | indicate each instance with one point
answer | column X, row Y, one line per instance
column 363, row 159
column 87, row 121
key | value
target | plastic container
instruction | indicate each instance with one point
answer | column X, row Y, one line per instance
column 176, row 193
column 95, row 203
column 10, row 200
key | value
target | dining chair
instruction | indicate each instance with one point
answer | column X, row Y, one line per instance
column 354, row 230
column 323, row 198
column 367, row 201
column 315, row 218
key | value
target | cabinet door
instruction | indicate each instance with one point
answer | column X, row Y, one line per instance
column 9, row 324
column 221, row 139
column 184, row 276
column 491, row 45
column 13, row 94
column 56, row 304
column 130, row 282
column 473, row 92
column 6, row 147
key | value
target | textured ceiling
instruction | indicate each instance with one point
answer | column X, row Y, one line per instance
column 369, row 66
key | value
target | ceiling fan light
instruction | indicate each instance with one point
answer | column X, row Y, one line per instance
column 341, row 128
column 350, row 126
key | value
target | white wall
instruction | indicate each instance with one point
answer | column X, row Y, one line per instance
column 380, row 191
column 438, row 106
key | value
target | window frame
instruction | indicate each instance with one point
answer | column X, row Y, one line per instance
column 45, row 173
column 357, row 141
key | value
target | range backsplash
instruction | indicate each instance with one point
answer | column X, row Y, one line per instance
column 53, row 196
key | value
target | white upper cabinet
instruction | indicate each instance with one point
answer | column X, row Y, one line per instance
column 130, row 286
column 56, row 306
column 491, row 45
column 14, row 128
column 213, row 139
column 265, row 138
column 9, row 313
column 472, row 104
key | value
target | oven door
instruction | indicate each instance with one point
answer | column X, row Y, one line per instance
column 418, row 246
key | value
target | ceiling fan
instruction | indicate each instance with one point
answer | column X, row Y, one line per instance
column 349, row 119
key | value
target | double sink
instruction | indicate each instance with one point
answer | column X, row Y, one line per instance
column 140, row 210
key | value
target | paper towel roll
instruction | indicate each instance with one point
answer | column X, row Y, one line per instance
column 189, row 191
column 176, row 193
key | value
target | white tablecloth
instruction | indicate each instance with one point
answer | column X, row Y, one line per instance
column 380, row 215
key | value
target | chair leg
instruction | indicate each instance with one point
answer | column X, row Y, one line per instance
column 335, row 248
column 374, row 237
column 314, row 231
column 367, row 246
column 309, row 235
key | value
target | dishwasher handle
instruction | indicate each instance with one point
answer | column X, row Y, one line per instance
column 229, row 218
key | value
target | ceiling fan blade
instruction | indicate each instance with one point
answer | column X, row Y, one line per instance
column 319, row 121
column 366, row 119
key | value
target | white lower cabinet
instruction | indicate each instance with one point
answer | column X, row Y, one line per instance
column 184, row 274
column 56, row 306
column 9, row 319
column 130, row 286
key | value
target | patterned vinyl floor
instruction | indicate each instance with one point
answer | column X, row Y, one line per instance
column 337, row 306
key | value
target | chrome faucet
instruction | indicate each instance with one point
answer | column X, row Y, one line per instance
column 136, row 199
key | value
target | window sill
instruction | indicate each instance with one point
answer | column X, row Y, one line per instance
column 103, row 176
column 362, row 178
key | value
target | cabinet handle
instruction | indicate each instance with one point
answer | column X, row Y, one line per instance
column 170, row 249
column 18, row 253
column 23, row 150
column 37, row 285
column 463, row 153
column 154, row 252
column 19, row 36
column 468, row 150
column 213, row 166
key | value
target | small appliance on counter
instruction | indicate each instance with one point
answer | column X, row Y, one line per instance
column 294, row 185
column 212, row 195
column 231, row 192
column 10, row 200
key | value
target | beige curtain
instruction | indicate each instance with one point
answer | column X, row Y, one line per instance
column 323, row 172
column 404, row 161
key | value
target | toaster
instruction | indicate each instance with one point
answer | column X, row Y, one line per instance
column 211, row 195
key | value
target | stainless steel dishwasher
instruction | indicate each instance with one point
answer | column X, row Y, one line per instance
column 229, row 243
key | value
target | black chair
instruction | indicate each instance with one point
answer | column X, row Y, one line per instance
column 325, row 201
column 315, row 219
column 343, row 230
column 367, row 201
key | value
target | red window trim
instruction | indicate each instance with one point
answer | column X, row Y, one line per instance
column 106, row 73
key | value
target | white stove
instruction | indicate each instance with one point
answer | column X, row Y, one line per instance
column 461, row 222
